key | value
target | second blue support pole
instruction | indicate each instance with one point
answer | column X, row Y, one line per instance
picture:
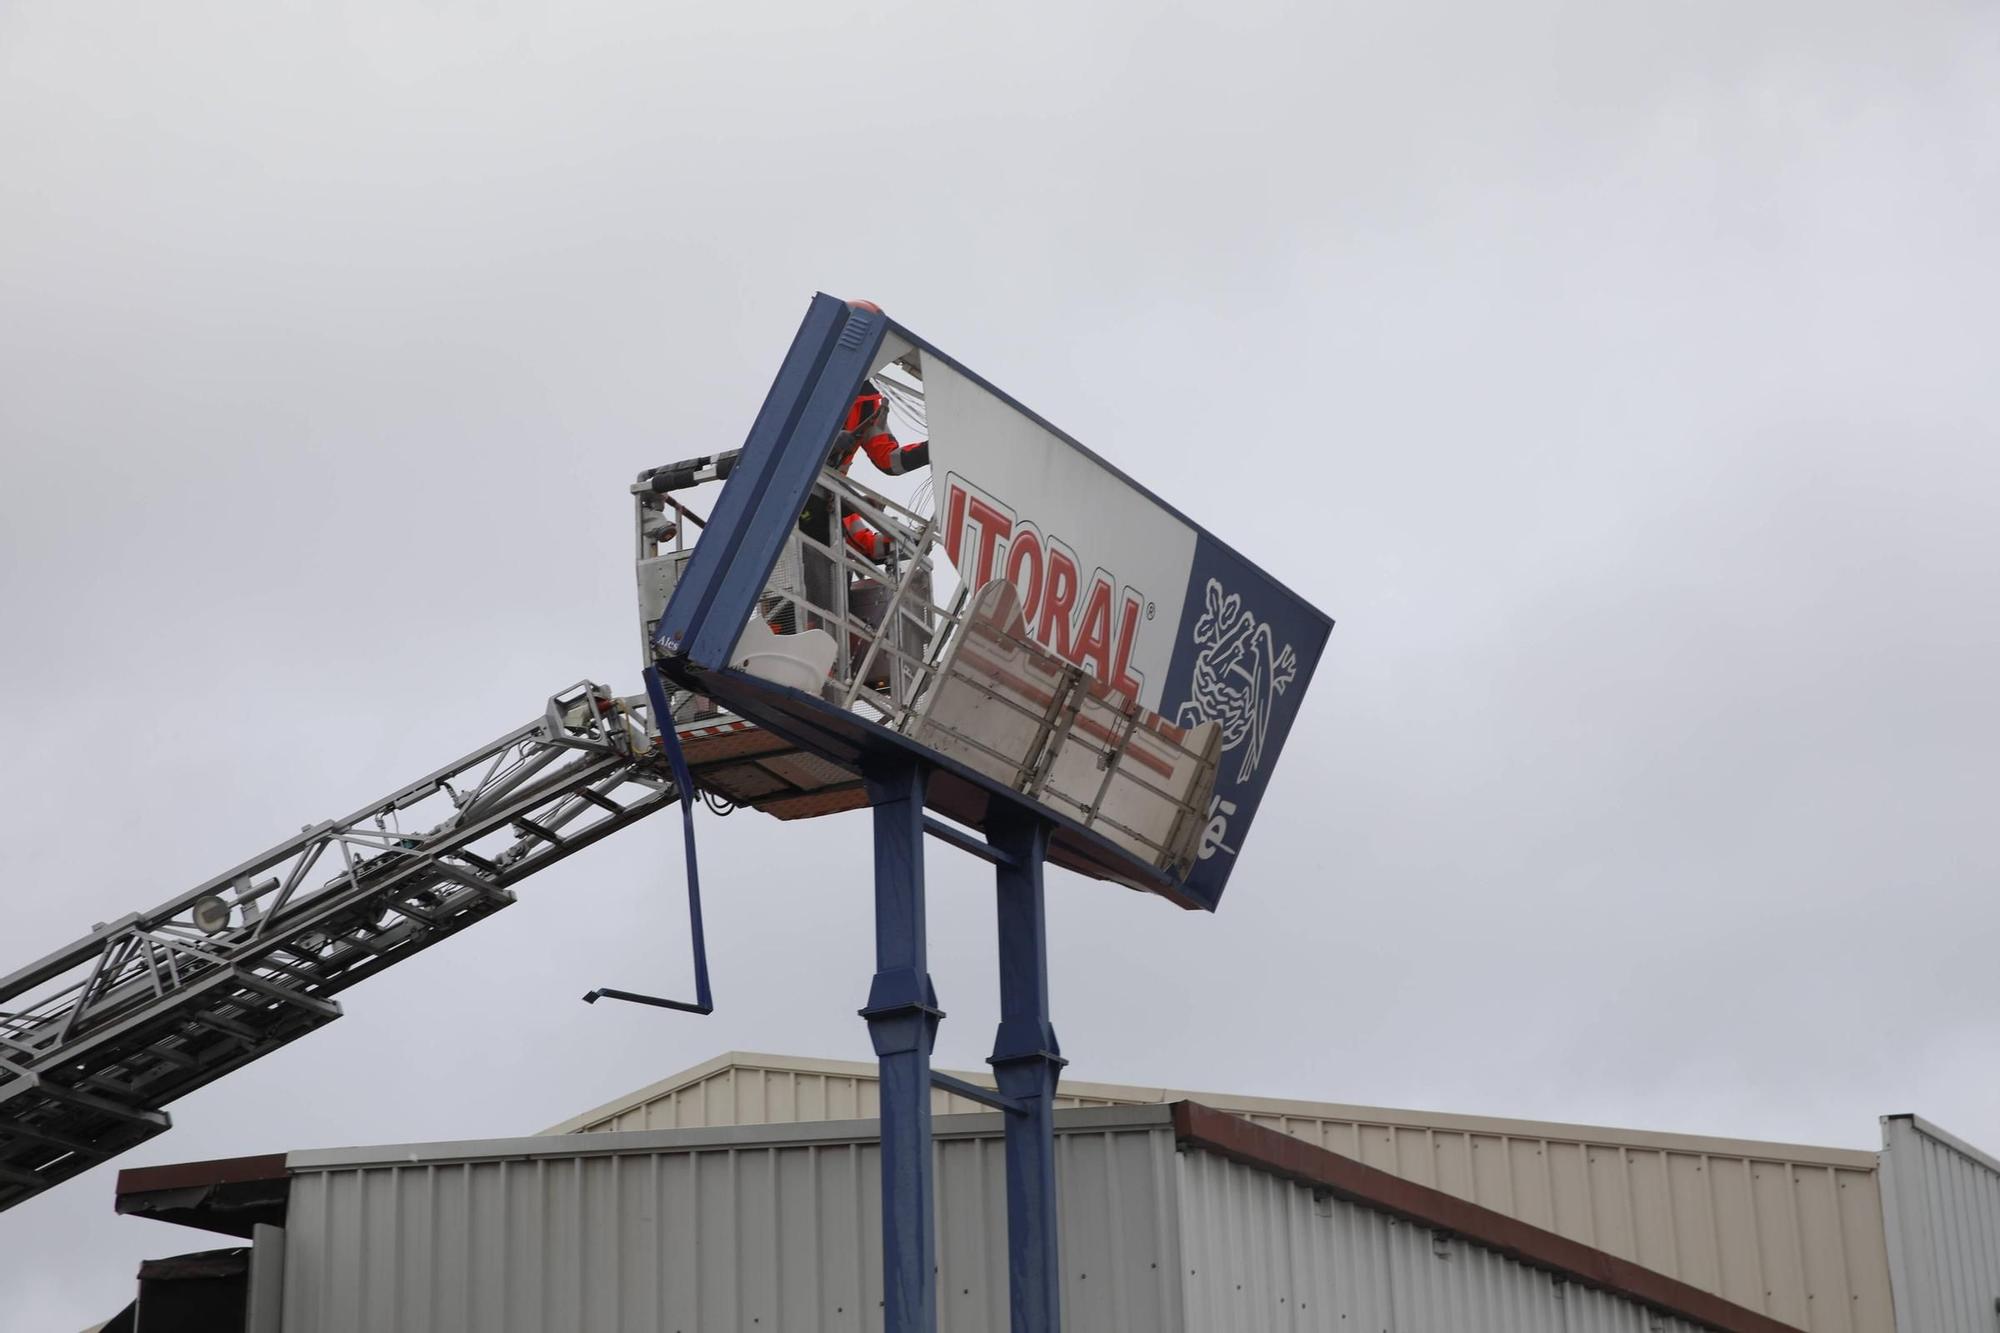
column 1027, row 1061
column 902, row 1016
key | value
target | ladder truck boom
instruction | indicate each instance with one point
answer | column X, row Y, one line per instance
column 97, row 1037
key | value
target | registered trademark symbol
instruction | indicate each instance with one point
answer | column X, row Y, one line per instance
column 1149, row 610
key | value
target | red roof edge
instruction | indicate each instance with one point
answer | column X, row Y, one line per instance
column 193, row 1175
column 1238, row 1139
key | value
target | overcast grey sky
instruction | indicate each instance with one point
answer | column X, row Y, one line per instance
column 1618, row 375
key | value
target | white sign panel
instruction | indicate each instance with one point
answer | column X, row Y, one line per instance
column 1100, row 567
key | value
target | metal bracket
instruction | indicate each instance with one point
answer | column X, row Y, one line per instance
column 704, row 1001
column 607, row 993
column 972, row 1092
column 965, row 842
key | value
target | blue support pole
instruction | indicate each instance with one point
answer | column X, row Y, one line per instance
column 1027, row 1062
column 902, row 1016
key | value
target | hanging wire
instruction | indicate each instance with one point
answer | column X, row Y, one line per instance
column 908, row 421
column 722, row 805
column 906, row 407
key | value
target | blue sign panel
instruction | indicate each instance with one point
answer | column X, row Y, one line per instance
column 1245, row 649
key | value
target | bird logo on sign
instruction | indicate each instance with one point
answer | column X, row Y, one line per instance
column 1238, row 675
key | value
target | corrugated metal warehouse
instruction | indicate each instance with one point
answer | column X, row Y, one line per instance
column 1794, row 1232
column 743, row 1194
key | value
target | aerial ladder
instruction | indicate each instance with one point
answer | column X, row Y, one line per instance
column 98, row 1037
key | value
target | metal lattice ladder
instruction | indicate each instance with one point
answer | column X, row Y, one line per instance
column 98, row 1037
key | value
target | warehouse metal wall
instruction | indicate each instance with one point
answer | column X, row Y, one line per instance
column 1942, row 1204
column 1264, row 1255
column 704, row 1231
column 1792, row 1231
column 751, row 1230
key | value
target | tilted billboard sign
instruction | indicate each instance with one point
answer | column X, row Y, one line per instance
column 1000, row 601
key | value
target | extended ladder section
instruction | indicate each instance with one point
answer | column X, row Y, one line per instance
column 98, row 1037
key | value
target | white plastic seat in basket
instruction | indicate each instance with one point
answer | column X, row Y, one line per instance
column 798, row 660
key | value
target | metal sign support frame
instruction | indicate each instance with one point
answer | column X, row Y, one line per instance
column 726, row 584
column 903, row 1015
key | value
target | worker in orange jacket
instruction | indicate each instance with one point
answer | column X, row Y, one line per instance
column 865, row 430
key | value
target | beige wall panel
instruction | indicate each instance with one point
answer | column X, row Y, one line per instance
column 1378, row 1146
column 775, row 1097
column 1528, row 1183
column 1492, row 1177
column 1652, row 1206
column 1342, row 1136
column 1570, row 1183
column 1451, row 1165
column 1822, row 1251
column 1778, row 1243
column 1868, row 1270
column 1414, row 1159
column 809, row 1097
column 844, row 1100
column 1740, row 1244
column 1610, row 1200
column 781, row 1099
column 1696, row 1249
